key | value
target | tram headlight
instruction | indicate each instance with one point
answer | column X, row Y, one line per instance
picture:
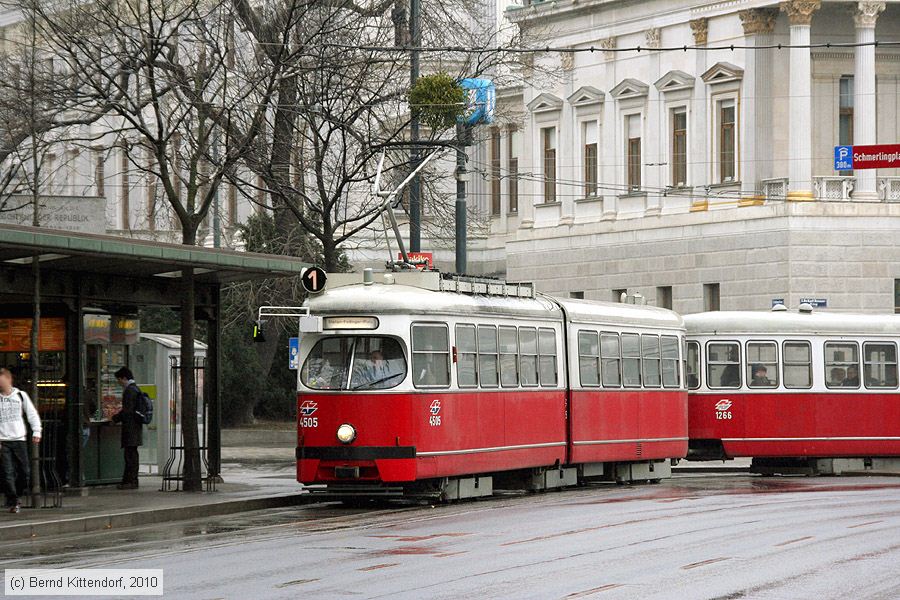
column 346, row 433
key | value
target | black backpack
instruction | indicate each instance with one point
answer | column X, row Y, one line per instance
column 144, row 408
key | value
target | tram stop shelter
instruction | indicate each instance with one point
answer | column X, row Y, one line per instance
column 92, row 287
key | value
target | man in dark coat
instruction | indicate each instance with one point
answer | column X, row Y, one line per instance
column 132, row 427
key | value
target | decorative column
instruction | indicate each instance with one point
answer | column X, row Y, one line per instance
column 800, row 14
column 699, row 175
column 756, row 111
column 864, row 116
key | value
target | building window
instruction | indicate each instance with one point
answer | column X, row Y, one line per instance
column 232, row 205
column 125, row 189
column 590, row 137
column 897, row 296
column 845, row 114
column 633, row 152
column 576, row 295
column 711, row 296
column 617, row 295
column 100, row 173
column 495, row 171
column 679, row 147
column 513, row 168
column 727, row 140
column 548, row 145
column 664, row 296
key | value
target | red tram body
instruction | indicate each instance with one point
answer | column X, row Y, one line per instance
column 793, row 385
column 421, row 385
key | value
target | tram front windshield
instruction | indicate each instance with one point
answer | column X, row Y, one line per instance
column 354, row 363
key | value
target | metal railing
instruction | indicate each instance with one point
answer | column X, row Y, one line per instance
column 173, row 471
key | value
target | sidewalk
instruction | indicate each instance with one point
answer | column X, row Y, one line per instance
column 247, row 487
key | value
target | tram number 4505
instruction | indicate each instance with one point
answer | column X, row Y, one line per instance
column 309, row 421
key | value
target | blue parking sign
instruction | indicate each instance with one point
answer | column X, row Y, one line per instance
column 294, row 354
column 843, row 158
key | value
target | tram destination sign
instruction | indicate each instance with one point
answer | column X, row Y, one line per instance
column 879, row 156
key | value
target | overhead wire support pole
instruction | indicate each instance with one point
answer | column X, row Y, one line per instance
column 415, row 188
column 461, row 241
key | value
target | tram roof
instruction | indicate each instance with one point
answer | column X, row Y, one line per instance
column 791, row 323
column 379, row 298
column 591, row 311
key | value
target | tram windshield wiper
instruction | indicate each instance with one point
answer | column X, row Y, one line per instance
column 376, row 382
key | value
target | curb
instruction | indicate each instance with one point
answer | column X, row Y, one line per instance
column 95, row 523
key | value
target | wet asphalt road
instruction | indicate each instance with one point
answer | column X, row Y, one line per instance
column 690, row 537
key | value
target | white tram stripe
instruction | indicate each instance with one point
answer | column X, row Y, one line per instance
column 596, row 442
column 492, row 449
column 814, row 439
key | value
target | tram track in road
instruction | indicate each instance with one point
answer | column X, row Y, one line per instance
column 316, row 519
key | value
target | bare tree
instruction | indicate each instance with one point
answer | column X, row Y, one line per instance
column 184, row 105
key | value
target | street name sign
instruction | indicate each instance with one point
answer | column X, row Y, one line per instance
column 877, row 156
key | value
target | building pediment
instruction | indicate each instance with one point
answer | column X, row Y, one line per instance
column 545, row 102
column 585, row 96
column 722, row 72
column 675, row 80
column 629, row 88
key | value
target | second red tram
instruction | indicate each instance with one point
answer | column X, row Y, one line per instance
column 790, row 387
column 422, row 385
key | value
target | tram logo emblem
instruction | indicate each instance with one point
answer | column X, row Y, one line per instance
column 435, row 407
column 308, row 408
column 724, row 404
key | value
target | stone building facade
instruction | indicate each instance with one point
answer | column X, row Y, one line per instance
column 703, row 177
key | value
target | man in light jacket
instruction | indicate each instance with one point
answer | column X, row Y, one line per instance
column 14, row 403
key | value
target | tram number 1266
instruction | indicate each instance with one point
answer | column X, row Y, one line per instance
column 723, row 415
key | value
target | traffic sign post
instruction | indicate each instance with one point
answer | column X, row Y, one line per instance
column 877, row 156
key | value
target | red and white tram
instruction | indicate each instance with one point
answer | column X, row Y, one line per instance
column 422, row 385
column 793, row 385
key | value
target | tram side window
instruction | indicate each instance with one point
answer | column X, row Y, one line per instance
column 430, row 355
column 692, row 365
column 487, row 356
column 547, row 360
column 880, row 365
column 797, row 365
column 650, row 363
column 842, row 364
column 723, row 365
column 611, row 359
column 528, row 356
column 589, row 358
column 467, row 356
column 762, row 364
column 671, row 373
column 509, row 357
column 631, row 360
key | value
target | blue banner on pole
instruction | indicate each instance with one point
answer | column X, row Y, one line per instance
column 481, row 96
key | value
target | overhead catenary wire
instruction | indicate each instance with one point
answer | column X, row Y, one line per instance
column 597, row 49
